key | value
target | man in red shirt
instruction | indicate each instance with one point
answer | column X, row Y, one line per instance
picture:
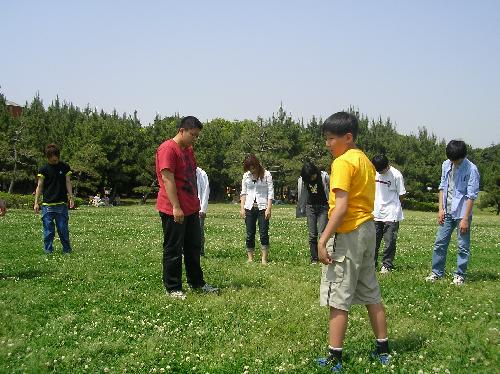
column 179, row 208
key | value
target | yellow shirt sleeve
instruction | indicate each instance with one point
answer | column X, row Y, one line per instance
column 342, row 173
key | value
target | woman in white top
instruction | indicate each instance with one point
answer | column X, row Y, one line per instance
column 257, row 194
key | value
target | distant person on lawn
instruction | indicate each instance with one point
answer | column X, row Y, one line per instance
column 179, row 208
column 313, row 187
column 256, row 201
column 203, row 194
column 347, row 245
column 54, row 183
column 3, row 208
column 388, row 212
column 458, row 189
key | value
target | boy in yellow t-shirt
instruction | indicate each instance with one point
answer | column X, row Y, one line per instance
column 347, row 245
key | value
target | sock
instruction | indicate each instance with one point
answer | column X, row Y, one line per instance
column 335, row 353
column 382, row 346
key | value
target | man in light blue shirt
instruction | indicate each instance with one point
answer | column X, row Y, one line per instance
column 458, row 189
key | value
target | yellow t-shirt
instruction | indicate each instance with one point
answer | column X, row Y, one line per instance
column 354, row 173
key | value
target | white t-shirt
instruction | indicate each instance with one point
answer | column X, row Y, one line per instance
column 388, row 187
column 203, row 188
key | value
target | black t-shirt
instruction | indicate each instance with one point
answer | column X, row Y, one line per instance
column 54, row 182
column 316, row 193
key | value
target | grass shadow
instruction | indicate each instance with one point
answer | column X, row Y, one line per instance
column 241, row 283
column 24, row 275
column 409, row 343
column 481, row 275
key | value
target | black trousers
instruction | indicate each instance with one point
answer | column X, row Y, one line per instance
column 252, row 216
column 178, row 239
column 317, row 218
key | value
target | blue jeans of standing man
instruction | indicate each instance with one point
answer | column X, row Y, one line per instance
column 441, row 246
column 59, row 215
column 317, row 218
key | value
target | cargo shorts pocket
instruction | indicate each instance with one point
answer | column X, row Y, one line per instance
column 334, row 273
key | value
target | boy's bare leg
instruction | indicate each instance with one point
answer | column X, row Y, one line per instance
column 376, row 312
column 337, row 327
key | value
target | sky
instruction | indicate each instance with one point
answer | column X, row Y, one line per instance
column 420, row 63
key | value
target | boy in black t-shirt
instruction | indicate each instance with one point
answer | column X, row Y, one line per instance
column 313, row 188
column 55, row 184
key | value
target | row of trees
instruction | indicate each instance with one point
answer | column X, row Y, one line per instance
column 117, row 151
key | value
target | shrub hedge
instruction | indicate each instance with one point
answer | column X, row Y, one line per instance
column 422, row 206
column 26, row 201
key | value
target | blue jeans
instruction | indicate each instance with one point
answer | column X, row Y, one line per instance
column 441, row 247
column 59, row 214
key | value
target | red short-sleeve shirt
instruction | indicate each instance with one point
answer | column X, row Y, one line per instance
column 182, row 163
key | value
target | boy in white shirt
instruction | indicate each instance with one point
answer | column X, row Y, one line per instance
column 203, row 194
column 389, row 191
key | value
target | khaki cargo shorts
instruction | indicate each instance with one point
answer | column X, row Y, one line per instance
column 351, row 278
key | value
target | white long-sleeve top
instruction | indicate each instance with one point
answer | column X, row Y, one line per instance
column 203, row 188
column 259, row 191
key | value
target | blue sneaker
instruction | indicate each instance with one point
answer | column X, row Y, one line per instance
column 330, row 361
column 383, row 358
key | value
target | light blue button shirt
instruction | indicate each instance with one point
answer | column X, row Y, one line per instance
column 466, row 186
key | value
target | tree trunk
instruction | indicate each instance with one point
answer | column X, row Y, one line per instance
column 13, row 179
column 146, row 195
column 77, row 182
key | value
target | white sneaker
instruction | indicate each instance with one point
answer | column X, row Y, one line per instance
column 432, row 277
column 458, row 280
column 177, row 295
column 384, row 270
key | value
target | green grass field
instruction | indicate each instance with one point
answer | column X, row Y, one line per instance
column 104, row 309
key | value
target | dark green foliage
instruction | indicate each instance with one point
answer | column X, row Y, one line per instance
column 421, row 206
column 13, row 200
column 118, row 152
column 489, row 166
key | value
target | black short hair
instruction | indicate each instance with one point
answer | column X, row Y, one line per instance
column 308, row 170
column 190, row 122
column 455, row 150
column 52, row 150
column 341, row 123
column 380, row 162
